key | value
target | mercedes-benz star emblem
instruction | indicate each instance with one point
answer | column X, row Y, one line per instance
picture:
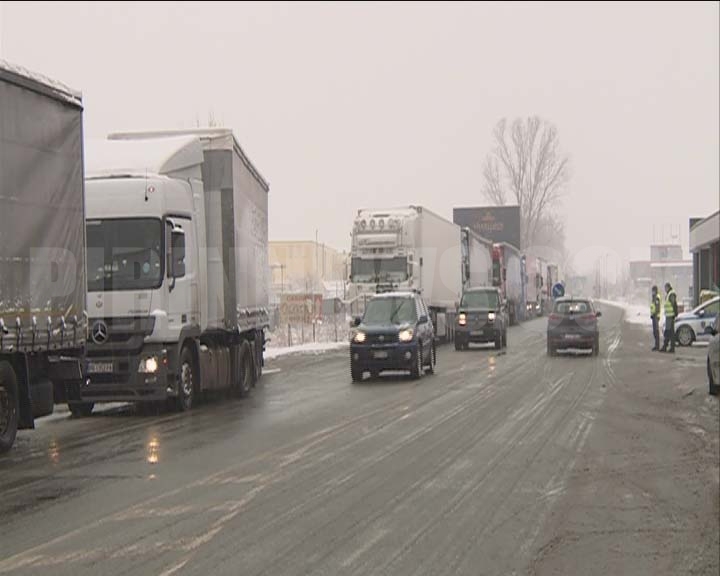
column 381, row 338
column 99, row 333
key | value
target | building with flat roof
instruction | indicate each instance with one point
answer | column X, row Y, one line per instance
column 705, row 249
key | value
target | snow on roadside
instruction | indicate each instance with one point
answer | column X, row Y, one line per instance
column 62, row 412
column 634, row 313
column 309, row 348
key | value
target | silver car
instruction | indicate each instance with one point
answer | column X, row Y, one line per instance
column 713, row 358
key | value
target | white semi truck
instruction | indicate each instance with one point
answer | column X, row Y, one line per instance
column 43, row 324
column 177, row 235
column 411, row 248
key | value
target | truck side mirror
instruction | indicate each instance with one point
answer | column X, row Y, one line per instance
column 177, row 253
column 356, row 321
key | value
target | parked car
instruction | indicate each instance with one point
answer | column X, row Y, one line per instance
column 573, row 323
column 481, row 318
column 692, row 326
column 394, row 333
column 713, row 358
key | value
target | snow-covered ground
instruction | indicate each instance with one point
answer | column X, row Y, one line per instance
column 308, row 348
column 634, row 313
column 61, row 411
column 640, row 314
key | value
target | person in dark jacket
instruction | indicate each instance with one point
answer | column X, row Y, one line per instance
column 671, row 310
column 655, row 316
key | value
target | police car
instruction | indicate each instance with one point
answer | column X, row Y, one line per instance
column 695, row 325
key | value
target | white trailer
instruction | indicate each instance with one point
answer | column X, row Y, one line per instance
column 177, row 226
column 477, row 259
column 409, row 248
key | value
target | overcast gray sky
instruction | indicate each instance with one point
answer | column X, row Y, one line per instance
column 344, row 106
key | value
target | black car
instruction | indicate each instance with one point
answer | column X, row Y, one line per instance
column 395, row 333
column 573, row 323
column 481, row 318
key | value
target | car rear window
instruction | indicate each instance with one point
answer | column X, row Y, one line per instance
column 573, row 307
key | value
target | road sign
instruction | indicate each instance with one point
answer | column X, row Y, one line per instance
column 558, row 290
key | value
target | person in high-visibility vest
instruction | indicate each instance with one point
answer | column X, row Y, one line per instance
column 655, row 316
column 671, row 310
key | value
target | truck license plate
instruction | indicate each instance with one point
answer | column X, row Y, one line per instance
column 572, row 336
column 380, row 355
column 100, row 367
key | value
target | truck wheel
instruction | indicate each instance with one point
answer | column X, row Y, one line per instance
column 8, row 406
column 551, row 350
column 504, row 339
column 685, row 336
column 417, row 370
column 498, row 341
column 258, row 359
column 433, row 360
column 458, row 345
column 713, row 387
column 42, row 399
column 187, row 381
column 81, row 409
column 247, row 377
column 596, row 347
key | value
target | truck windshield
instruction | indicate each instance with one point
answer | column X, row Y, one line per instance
column 483, row 299
column 124, row 254
column 379, row 269
column 390, row 311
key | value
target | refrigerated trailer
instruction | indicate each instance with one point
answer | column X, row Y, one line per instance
column 177, row 233
column 412, row 248
column 42, row 247
column 477, row 259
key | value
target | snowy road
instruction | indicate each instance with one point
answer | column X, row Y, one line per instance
column 509, row 463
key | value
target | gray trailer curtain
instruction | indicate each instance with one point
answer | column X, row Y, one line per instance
column 42, row 220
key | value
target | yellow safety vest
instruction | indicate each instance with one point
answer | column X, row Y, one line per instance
column 669, row 311
column 655, row 305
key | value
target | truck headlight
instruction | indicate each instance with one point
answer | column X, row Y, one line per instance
column 491, row 316
column 405, row 335
column 148, row 365
column 462, row 319
column 359, row 337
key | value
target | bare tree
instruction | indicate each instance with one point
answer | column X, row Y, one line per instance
column 526, row 167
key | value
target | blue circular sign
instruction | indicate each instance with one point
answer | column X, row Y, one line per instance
column 558, row 290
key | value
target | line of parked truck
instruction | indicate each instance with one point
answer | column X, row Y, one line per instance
column 411, row 248
column 136, row 268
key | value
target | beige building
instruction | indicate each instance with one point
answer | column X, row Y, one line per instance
column 304, row 266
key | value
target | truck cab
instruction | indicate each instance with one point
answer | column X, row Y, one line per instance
column 144, row 270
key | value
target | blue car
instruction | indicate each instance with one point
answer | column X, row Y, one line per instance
column 696, row 324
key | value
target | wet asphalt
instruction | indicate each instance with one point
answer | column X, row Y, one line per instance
column 500, row 463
